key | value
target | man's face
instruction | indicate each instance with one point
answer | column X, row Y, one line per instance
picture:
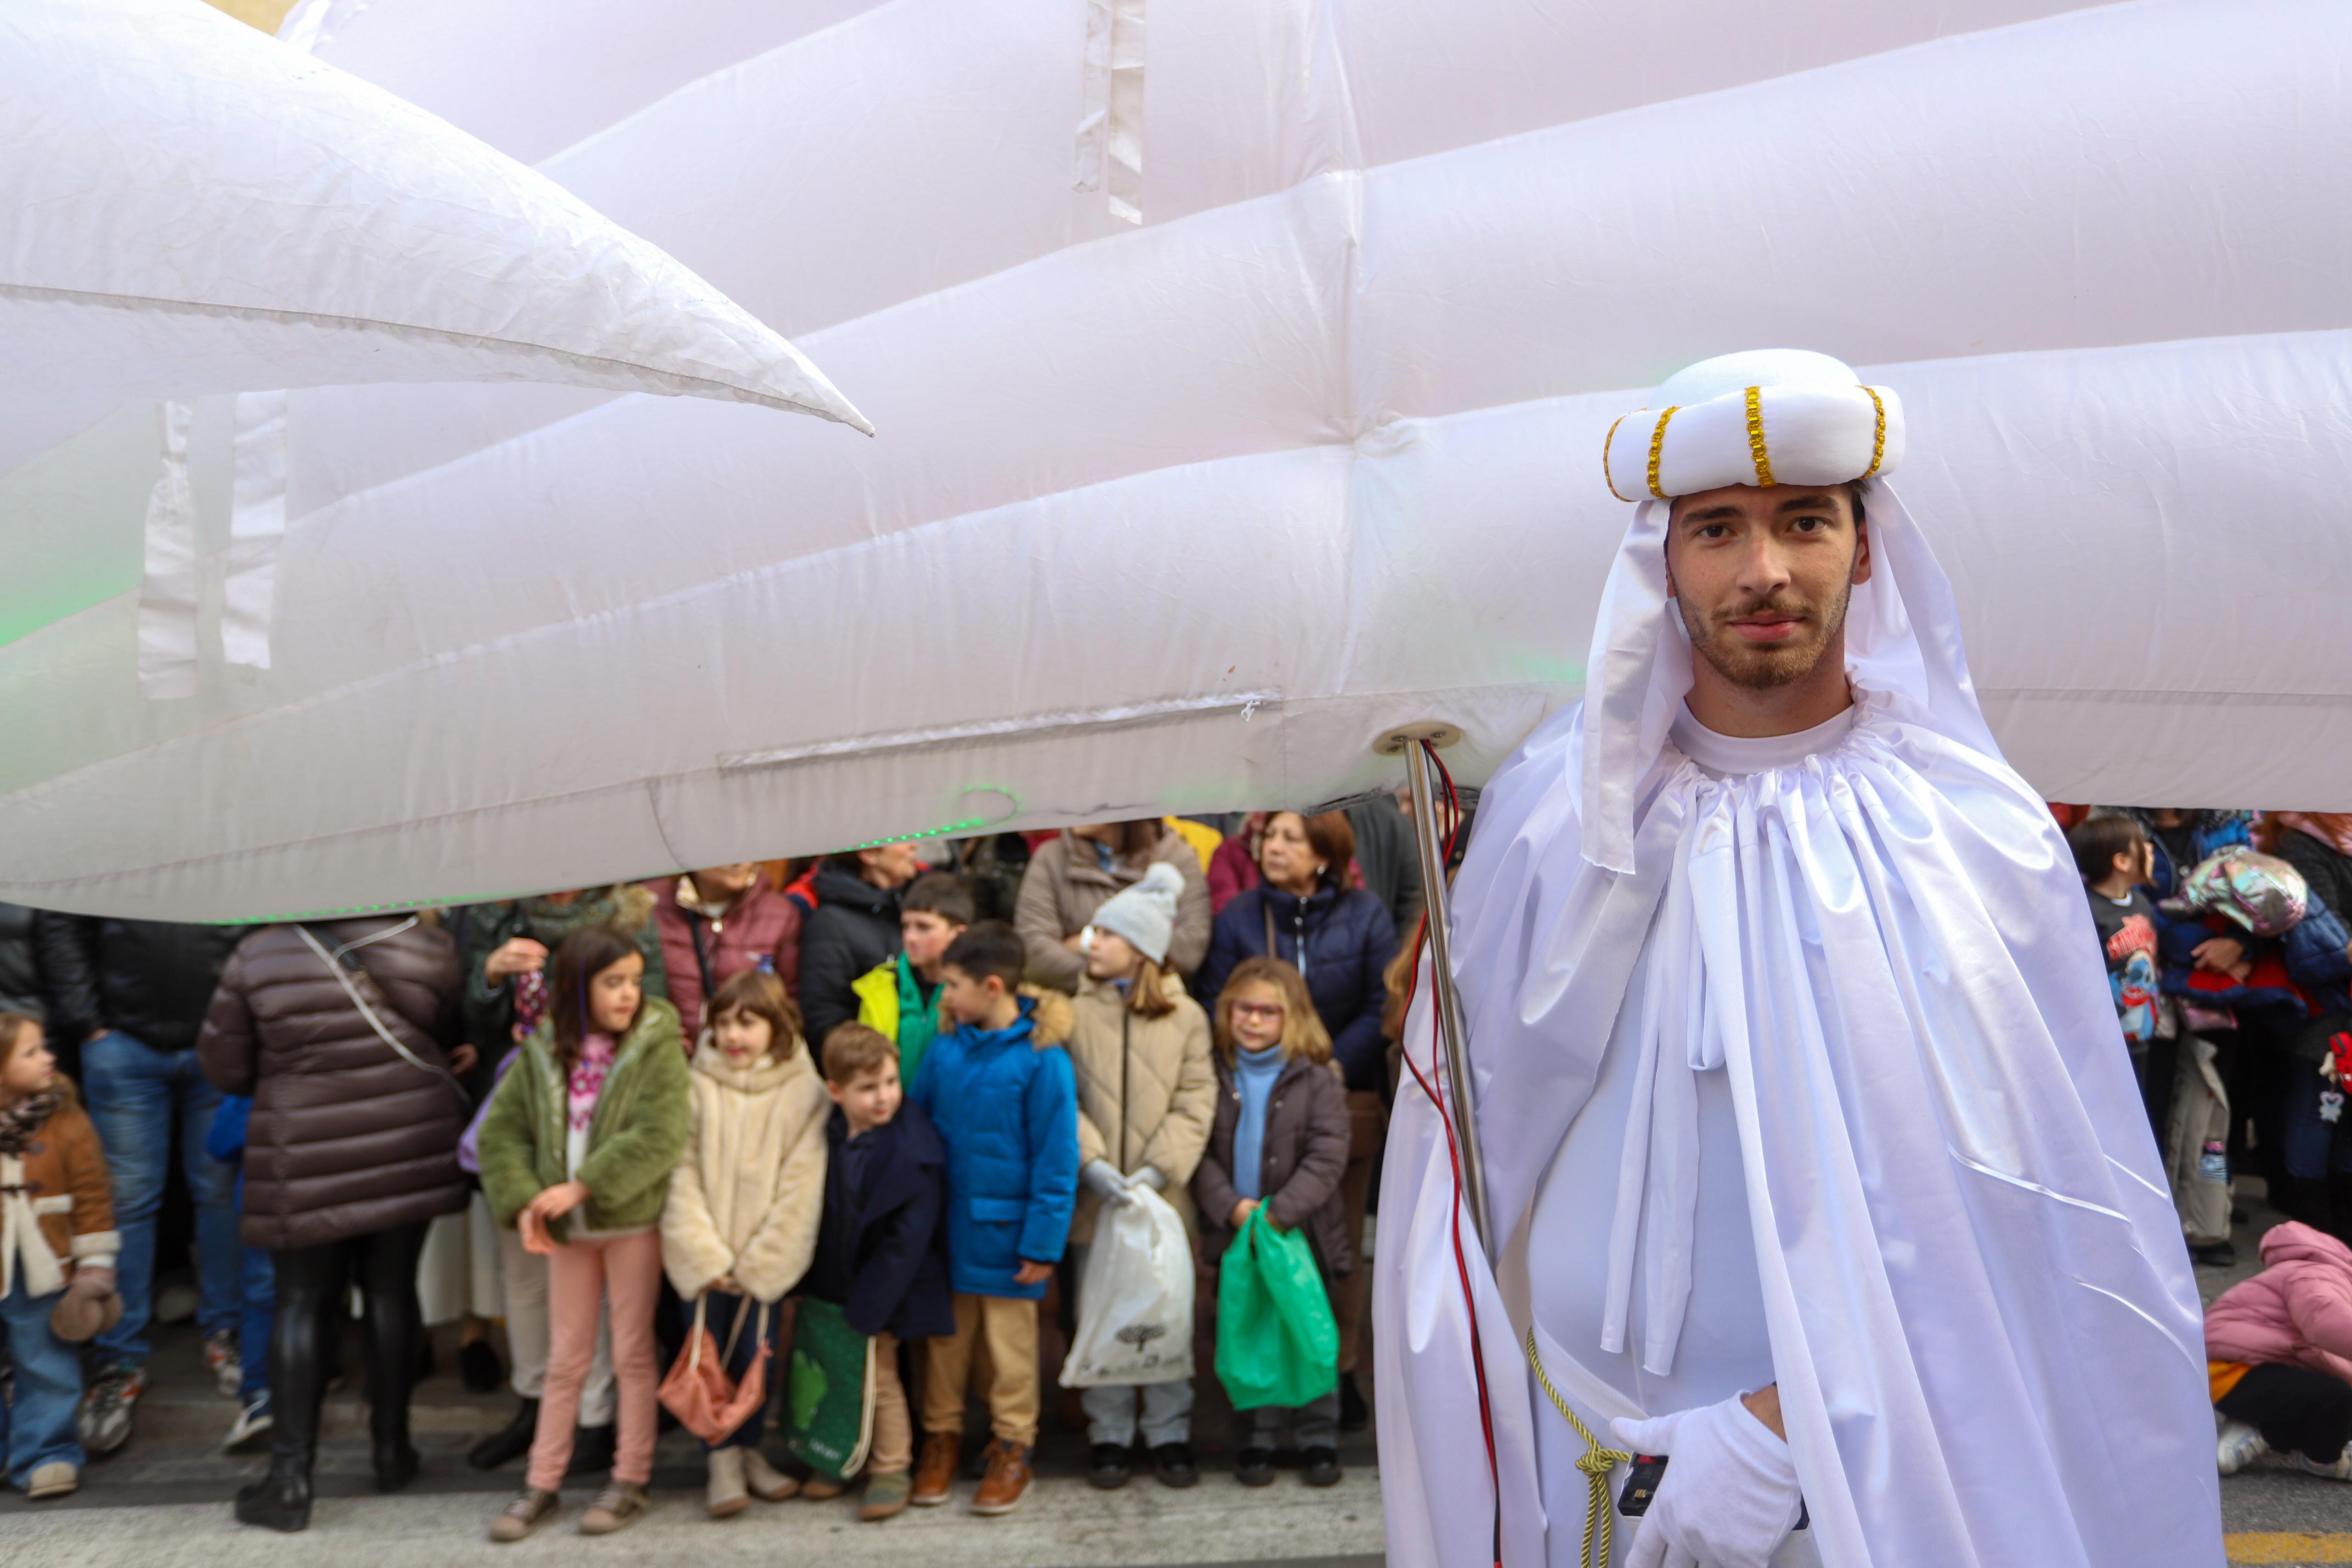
column 1763, row 576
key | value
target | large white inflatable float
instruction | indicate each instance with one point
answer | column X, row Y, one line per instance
column 1239, row 382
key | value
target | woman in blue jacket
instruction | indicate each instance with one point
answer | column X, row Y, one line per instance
column 1340, row 939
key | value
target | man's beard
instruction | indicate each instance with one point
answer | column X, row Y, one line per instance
column 1766, row 668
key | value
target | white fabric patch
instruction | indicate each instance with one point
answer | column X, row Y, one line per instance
column 256, row 527
column 1110, row 134
column 167, row 598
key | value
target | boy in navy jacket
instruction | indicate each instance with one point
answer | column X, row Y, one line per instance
column 1002, row 1095
column 880, row 1253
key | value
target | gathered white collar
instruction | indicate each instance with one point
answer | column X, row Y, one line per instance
column 1731, row 755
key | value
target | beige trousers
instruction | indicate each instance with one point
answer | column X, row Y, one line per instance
column 1009, row 1325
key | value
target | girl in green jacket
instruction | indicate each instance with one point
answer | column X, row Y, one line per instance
column 576, row 1153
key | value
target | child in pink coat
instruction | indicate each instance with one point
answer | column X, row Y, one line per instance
column 2278, row 1351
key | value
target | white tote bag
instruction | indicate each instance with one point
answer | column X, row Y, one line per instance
column 1135, row 1300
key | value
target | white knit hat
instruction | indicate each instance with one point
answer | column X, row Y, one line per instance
column 1145, row 913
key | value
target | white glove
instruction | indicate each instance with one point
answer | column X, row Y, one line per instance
column 1105, row 1182
column 1149, row 1176
column 1728, row 1501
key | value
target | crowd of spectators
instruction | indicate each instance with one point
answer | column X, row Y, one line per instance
column 2227, row 941
column 900, row 1086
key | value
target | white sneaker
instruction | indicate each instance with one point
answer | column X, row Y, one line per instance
column 2240, row 1446
column 251, row 1429
column 2337, row 1469
column 221, row 1361
column 55, row 1479
column 726, row 1496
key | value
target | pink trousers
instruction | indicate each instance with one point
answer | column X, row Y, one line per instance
column 627, row 1270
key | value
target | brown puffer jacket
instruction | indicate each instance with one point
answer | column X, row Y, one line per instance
column 1304, row 1154
column 346, row 1137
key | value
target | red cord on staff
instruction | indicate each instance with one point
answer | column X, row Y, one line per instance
column 1452, row 1155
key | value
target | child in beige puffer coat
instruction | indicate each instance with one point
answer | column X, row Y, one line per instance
column 1146, row 1096
column 744, row 1202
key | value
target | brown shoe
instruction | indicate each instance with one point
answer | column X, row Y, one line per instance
column 936, row 1472
column 817, row 1488
column 522, row 1514
column 617, row 1507
column 1007, row 1481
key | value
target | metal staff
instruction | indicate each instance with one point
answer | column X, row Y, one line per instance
column 1418, row 744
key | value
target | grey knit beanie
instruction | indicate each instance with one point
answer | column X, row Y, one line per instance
column 1145, row 913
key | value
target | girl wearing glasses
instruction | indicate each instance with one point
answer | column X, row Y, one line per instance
column 1280, row 1139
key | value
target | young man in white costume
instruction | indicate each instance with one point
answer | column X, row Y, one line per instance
column 1814, row 1159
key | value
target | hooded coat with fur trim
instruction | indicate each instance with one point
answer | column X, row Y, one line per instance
column 1005, row 1104
column 747, row 1197
column 66, row 1196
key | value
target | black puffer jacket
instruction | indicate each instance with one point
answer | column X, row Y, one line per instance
column 2328, row 873
column 1347, row 941
column 151, row 979
column 347, row 1137
column 854, row 927
column 21, row 991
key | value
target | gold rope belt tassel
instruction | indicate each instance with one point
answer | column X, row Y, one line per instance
column 1600, row 1524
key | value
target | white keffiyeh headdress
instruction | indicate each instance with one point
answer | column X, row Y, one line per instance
column 1765, row 417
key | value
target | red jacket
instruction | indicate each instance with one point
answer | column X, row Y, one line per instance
column 1233, row 870
column 762, row 924
column 2298, row 1309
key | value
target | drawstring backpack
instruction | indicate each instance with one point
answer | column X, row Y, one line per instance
column 697, row 1390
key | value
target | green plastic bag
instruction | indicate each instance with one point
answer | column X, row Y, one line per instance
column 1277, row 1342
column 828, row 1391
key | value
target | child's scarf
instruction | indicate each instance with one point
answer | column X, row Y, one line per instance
column 21, row 1120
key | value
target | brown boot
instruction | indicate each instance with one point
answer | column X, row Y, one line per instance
column 936, row 1470
column 1007, row 1481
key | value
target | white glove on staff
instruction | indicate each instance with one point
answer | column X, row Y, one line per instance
column 1728, row 1501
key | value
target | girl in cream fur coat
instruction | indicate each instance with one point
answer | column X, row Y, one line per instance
column 744, row 1202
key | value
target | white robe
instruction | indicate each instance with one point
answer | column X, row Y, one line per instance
column 1826, row 1088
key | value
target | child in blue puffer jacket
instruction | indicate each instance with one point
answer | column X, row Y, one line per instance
column 1004, row 1099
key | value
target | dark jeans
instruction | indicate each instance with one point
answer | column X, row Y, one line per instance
column 311, row 1281
column 2295, row 1409
column 2314, row 1149
column 137, row 1096
column 2158, row 1068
